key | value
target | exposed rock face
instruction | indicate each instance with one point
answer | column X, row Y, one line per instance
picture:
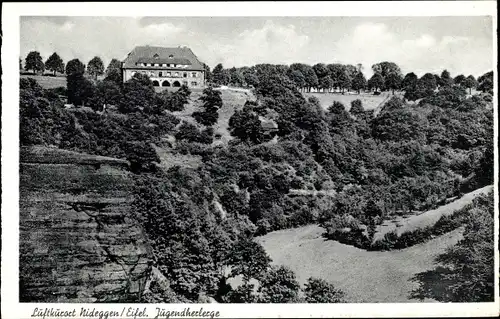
column 79, row 240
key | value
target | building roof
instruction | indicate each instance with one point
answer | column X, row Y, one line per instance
column 161, row 55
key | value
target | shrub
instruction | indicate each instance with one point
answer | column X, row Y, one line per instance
column 319, row 291
column 356, row 107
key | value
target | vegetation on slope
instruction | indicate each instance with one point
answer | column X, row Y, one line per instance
column 465, row 272
column 409, row 157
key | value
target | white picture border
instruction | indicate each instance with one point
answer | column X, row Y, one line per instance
column 11, row 308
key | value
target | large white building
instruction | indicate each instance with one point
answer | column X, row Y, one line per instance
column 166, row 67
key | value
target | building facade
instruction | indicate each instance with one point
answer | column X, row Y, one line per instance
column 166, row 67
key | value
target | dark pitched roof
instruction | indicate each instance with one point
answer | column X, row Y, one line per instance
column 152, row 54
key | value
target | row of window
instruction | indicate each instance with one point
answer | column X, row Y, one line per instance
column 170, row 65
column 175, row 84
column 184, row 75
column 169, row 74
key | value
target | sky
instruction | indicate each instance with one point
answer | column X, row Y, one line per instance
column 462, row 45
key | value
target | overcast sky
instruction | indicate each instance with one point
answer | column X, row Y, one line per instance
column 418, row 44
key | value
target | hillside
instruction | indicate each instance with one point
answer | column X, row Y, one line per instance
column 79, row 241
column 202, row 195
column 364, row 276
column 48, row 82
column 411, row 222
column 370, row 101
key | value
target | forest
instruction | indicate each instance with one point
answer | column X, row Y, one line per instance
column 433, row 143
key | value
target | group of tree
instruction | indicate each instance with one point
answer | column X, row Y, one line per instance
column 193, row 246
column 55, row 64
column 387, row 76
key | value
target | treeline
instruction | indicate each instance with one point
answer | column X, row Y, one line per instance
column 346, row 77
column 55, row 64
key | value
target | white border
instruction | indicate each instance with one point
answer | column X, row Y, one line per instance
column 10, row 142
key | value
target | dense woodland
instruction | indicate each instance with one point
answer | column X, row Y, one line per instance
column 411, row 157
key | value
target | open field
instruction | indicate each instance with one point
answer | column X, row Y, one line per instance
column 404, row 224
column 364, row 276
column 169, row 159
column 370, row 101
column 48, row 82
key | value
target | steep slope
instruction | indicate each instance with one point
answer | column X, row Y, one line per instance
column 79, row 241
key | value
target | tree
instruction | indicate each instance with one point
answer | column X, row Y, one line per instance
column 114, row 72
column 320, row 70
column 138, row 94
column 279, row 285
column 211, row 104
column 485, row 82
column 427, row 84
column 55, row 64
column 356, row 107
column 236, row 77
column 75, row 67
column 220, row 77
column 80, row 90
column 248, row 259
column 359, row 82
column 106, row 93
column 298, row 78
column 251, row 79
column 466, row 270
column 445, row 79
column 310, row 77
column 470, row 83
column 95, row 67
column 349, row 73
column 410, row 81
column 188, row 131
column 376, row 82
column 208, row 74
column 325, row 83
column 459, row 79
column 34, row 62
column 246, row 126
column 319, row 291
column 336, row 71
column 393, row 81
column 386, row 68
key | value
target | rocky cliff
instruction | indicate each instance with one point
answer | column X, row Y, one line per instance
column 79, row 240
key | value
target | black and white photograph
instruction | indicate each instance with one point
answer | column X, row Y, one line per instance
column 231, row 159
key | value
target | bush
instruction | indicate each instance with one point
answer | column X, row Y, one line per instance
column 444, row 225
column 319, row 291
column 190, row 133
column 206, row 118
column 357, row 107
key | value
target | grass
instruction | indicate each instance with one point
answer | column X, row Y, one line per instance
column 48, row 82
column 363, row 275
column 232, row 100
column 169, row 159
column 370, row 101
column 402, row 224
